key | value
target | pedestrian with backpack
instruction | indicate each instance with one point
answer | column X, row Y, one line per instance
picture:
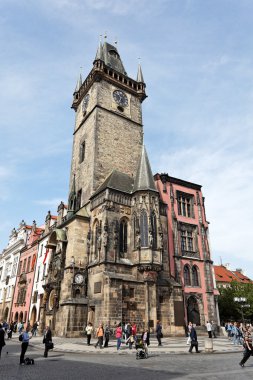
column 24, row 338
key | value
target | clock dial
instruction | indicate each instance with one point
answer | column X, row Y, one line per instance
column 78, row 278
column 85, row 102
column 120, row 98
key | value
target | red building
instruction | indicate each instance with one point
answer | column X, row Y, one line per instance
column 188, row 246
column 25, row 277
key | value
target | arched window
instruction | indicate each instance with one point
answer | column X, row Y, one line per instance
column 123, row 236
column 195, row 276
column 154, row 230
column 144, row 228
column 187, row 277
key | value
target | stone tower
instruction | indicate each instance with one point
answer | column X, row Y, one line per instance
column 108, row 131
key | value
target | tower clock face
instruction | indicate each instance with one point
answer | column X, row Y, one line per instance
column 85, row 102
column 79, row 278
column 120, row 98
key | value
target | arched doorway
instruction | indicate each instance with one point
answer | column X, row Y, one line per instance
column 21, row 316
column 6, row 312
column 33, row 316
column 193, row 311
column 16, row 317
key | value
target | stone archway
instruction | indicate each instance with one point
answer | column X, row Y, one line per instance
column 193, row 314
column 6, row 312
column 33, row 317
column 16, row 317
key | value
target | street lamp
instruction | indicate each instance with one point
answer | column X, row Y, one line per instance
column 241, row 301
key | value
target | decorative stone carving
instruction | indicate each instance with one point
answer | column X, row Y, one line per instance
column 150, row 276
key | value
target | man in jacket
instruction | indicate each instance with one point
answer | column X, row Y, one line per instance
column 194, row 340
column 47, row 340
column 159, row 333
column 2, row 341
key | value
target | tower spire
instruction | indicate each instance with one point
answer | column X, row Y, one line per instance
column 79, row 83
column 144, row 179
column 140, row 75
column 100, row 55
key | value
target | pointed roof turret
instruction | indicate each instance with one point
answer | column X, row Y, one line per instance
column 140, row 75
column 79, row 83
column 144, row 179
column 100, row 54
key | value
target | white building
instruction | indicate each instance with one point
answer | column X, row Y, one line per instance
column 9, row 260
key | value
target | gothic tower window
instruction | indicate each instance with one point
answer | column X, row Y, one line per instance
column 144, row 228
column 195, row 276
column 79, row 199
column 96, row 242
column 187, row 277
column 123, row 237
column 154, row 230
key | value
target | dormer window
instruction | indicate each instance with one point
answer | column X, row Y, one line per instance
column 113, row 53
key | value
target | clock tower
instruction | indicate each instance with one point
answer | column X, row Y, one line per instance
column 110, row 250
column 108, row 133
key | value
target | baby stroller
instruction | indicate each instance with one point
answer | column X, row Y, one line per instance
column 140, row 349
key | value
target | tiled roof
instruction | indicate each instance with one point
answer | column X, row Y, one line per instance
column 242, row 277
column 222, row 274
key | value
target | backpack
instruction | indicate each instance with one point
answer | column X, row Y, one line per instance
column 20, row 338
column 29, row 361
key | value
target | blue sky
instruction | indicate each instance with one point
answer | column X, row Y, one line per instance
column 197, row 61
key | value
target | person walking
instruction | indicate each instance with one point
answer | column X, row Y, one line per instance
column 247, row 346
column 209, row 329
column 145, row 338
column 189, row 332
column 24, row 338
column 100, row 336
column 134, row 331
column 159, row 333
column 194, row 340
column 235, row 333
column 34, row 328
column 89, row 331
column 118, row 335
column 47, row 340
column 107, row 336
column 214, row 329
column 20, row 327
column 2, row 341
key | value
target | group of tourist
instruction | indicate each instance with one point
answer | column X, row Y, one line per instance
column 25, row 335
column 124, row 333
column 235, row 332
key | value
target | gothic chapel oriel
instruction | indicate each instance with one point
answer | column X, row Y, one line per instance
column 109, row 259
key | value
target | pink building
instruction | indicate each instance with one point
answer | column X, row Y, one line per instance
column 188, row 246
column 25, row 277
